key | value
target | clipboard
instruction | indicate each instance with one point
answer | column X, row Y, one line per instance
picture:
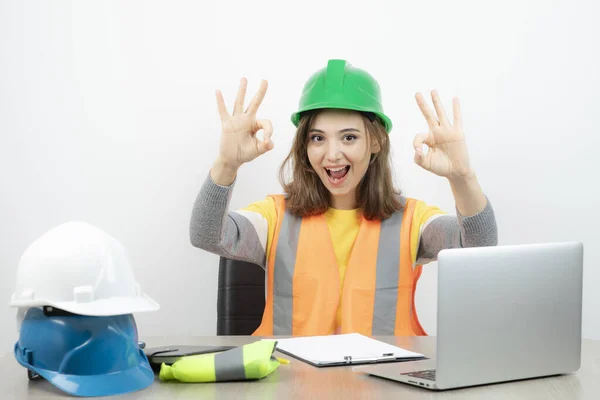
column 350, row 360
column 343, row 350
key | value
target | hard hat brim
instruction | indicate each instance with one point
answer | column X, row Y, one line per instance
column 131, row 380
column 295, row 117
column 98, row 307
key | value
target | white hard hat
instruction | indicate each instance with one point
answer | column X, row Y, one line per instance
column 78, row 268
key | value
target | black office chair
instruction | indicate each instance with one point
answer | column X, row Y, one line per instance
column 240, row 297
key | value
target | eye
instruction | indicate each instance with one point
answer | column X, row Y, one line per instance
column 316, row 138
column 350, row 138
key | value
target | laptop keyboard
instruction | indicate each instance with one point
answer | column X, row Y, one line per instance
column 427, row 374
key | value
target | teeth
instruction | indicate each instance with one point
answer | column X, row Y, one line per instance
column 336, row 169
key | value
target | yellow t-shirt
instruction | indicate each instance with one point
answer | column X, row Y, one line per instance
column 343, row 227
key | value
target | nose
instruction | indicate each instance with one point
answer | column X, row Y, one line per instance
column 334, row 151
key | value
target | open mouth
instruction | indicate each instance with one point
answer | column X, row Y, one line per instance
column 337, row 175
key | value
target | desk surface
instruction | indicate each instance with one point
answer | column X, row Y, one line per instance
column 298, row 380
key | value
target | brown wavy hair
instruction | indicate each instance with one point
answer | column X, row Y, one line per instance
column 306, row 195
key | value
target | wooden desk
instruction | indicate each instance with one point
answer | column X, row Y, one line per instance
column 302, row 381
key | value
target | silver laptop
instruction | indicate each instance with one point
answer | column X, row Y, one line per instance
column 504, row 313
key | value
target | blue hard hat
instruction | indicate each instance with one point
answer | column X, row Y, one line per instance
column 84, row 355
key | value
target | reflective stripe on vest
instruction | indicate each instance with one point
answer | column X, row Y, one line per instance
column 285, row 260
column 303, row 278
column 386, row 286
column 229, row 365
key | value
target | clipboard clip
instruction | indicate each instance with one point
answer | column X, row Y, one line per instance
column 374, row 358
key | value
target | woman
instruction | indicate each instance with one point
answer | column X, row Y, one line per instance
column 342, row 248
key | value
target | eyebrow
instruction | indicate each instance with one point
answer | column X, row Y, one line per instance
column 347, row 130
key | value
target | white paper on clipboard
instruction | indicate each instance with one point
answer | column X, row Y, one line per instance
column 351, row 348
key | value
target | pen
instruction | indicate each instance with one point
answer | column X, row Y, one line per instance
column 350, row 359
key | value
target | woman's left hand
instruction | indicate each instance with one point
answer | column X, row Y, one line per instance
column 447, row 155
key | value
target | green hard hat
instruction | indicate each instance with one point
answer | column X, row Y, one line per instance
column 341, row 85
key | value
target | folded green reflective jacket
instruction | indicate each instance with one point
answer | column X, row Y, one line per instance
column 249, row 362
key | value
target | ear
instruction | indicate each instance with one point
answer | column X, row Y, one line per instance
column 375, row 147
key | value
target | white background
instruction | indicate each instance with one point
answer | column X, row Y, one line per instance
column 107, row 115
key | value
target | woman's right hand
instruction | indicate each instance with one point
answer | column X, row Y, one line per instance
column 239, row 143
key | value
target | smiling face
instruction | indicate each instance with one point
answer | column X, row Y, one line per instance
column 339, row 150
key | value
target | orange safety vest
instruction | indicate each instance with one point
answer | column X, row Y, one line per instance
column 303, row 283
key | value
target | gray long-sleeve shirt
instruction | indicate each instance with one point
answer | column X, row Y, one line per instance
column 236, row 235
